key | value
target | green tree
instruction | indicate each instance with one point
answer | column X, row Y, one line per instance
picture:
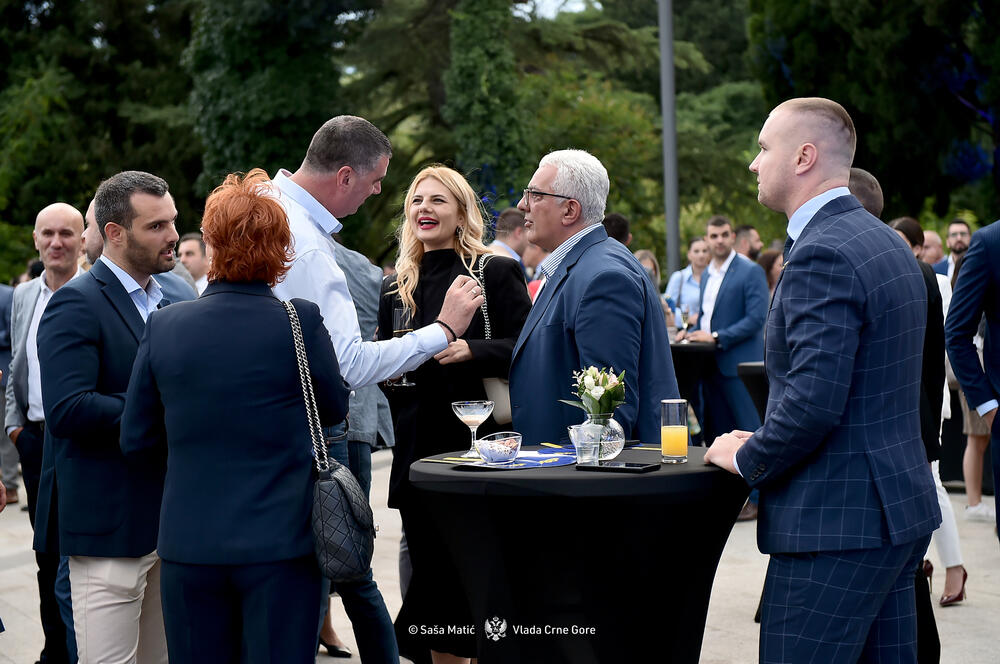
column 88, row 89
column 264, row 79
column 918, row 77
column 483, row 105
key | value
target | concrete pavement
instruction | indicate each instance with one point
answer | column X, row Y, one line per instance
column 968, row 630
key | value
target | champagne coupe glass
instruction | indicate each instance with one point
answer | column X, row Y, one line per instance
column 402, row 324
column 472, row 414
column 685, row 312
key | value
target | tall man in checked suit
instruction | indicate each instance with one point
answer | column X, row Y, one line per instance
column 596, row 307
column 977, row 293
column 91, row 331
column 847, row 502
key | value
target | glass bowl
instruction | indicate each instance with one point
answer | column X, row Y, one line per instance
column 498, row 449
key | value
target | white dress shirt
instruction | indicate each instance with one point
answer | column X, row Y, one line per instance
column 315, row 276
column 201, row 283
column 35, row 411
column 715, row 276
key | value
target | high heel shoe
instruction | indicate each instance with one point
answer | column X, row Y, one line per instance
column 335, row 651
column 948, row 600
column 928, row 570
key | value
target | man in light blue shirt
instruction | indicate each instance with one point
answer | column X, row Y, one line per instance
column 344, row 165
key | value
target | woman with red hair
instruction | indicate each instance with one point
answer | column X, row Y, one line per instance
column 215, row 392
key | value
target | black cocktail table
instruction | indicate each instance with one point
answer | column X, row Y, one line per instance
column 568, row 566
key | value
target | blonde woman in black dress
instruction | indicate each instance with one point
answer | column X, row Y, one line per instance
column 440, row 238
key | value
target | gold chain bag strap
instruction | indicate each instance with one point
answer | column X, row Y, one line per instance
column 497, row 389
column 342, row 522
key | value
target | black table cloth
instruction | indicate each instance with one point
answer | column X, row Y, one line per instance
column 578, row 567
column 692, row 361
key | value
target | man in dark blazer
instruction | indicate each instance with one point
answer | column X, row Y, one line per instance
column 596, row 307
column 91, row 331
column 847, row 501
column 732, row 310
column 977, row 293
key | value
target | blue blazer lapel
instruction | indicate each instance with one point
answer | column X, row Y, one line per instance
column 119, row 298
column 553, row 284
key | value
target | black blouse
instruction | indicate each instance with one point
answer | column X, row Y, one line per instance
column 422, row 417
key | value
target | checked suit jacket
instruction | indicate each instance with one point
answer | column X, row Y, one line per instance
column 107, row 506
column 839, row 460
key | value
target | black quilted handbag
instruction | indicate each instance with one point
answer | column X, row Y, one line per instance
column 342, row 522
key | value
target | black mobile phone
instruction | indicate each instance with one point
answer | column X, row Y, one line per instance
column 619, row 467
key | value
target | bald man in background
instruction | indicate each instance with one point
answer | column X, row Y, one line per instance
column 58, row 238
column 933, row 249
column 847, row 501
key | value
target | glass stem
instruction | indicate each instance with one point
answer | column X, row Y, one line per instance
column 472, row 448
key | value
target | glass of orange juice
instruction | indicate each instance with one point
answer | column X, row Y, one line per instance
column 674, row 431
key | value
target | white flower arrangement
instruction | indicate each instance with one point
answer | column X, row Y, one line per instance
column 600, row 391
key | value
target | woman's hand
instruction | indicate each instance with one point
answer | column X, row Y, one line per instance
column 457, row 351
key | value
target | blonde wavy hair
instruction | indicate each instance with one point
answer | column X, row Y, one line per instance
column 468, row 241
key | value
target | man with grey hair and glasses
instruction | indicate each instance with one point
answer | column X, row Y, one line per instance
column 595, row 307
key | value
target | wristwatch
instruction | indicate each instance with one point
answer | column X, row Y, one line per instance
column 715, row 337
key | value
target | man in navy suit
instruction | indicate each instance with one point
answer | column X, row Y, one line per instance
column 90, row 331
column 977, row 293
column 595, row 307
column 847, row 502
column 958, row 236
column 733, row 307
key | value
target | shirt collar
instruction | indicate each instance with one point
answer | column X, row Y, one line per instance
column 152, row 289
column 45, row 285
column 725, row 265
column 506, row 247
column 552, row 261
column 319, row 214
column 797, row 222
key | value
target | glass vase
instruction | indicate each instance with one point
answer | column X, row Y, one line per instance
column 612, row 435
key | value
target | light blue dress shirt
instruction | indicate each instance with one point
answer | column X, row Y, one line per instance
column 145, row 299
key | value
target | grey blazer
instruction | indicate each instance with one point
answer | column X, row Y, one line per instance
column 22, row 309
column 369, row 411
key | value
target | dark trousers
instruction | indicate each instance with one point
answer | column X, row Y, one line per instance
column 213, row 613
column 29, row 447
column 841, row 606
column 363, row 601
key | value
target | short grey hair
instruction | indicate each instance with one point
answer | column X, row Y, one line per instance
column 113, row 200
column 346, row 140
column 583, row 177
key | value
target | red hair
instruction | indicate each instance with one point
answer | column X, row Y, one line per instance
column 247, row 229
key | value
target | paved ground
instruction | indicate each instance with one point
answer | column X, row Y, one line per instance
column 968, row 630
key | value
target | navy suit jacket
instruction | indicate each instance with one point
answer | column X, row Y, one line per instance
column 107, row 506
column 739, row 315
column 598, row 309
column 941, row 267
column 977, row 292
column 174, row 288
column 6, row 302
column 216, row 382
column 839, row 460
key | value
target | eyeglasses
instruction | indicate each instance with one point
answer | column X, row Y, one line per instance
column 959, row 234
column 530, row 196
